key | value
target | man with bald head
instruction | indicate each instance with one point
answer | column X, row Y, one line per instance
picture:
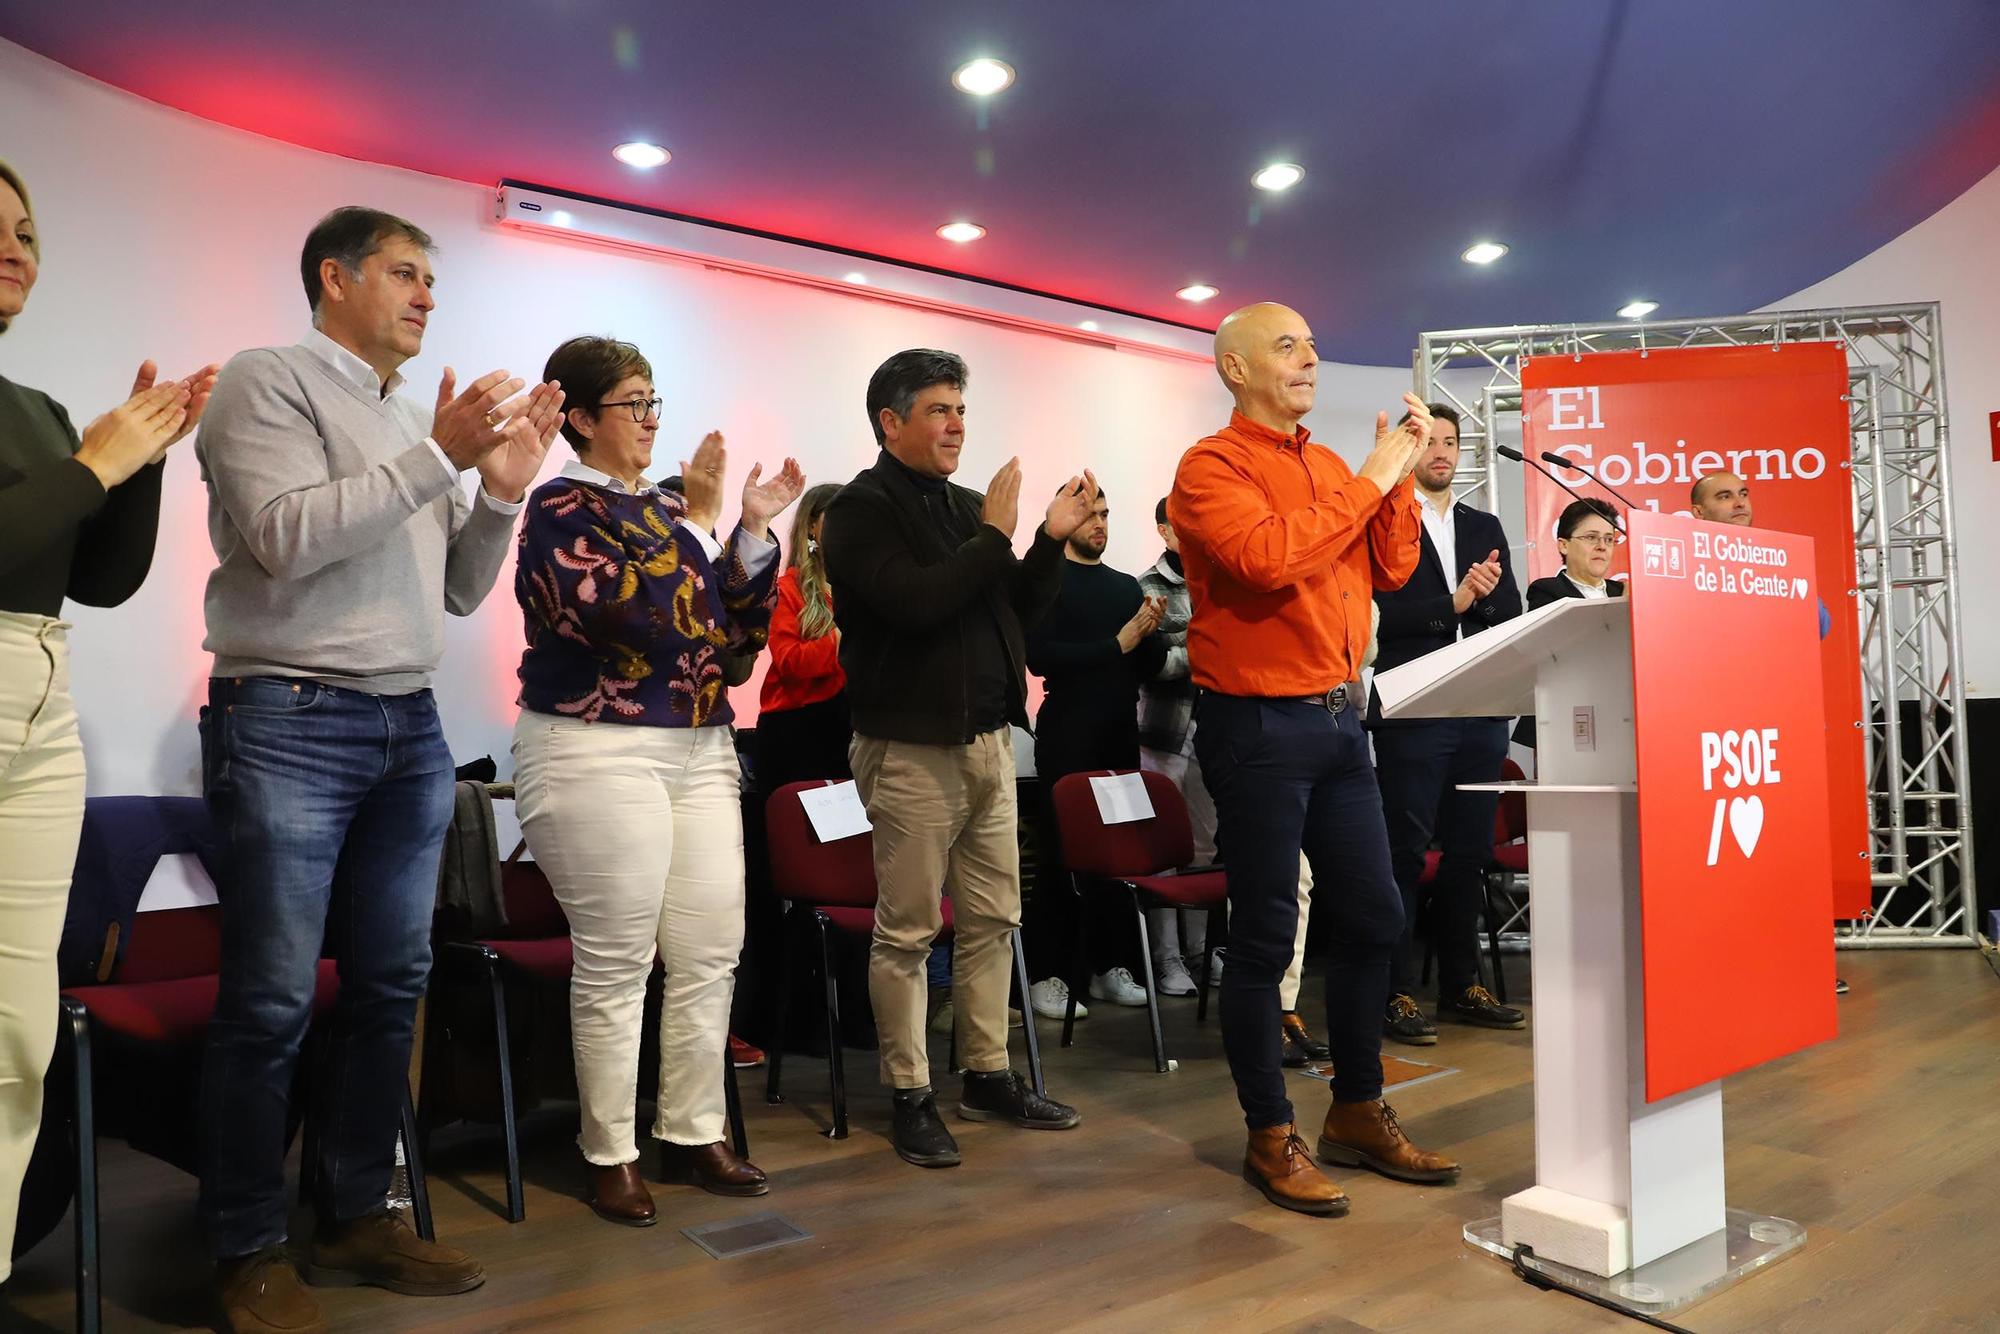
column 1721, row 497
column 1283, row 546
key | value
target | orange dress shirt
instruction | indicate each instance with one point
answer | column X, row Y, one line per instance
column 1283, row 547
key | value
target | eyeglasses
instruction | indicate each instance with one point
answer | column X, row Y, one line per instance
column 1596, row 539
column 642, row 408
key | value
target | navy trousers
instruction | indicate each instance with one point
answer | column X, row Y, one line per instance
column 1288, row 775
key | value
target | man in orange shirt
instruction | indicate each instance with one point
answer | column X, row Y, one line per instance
column 1283, row 546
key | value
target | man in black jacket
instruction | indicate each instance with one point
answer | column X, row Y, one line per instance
column 931, row 601
column 1463, row 584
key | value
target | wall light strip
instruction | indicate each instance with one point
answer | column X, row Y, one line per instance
column 636, row 231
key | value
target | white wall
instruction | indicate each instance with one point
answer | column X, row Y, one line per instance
column 1949, row 258
column 170, row 237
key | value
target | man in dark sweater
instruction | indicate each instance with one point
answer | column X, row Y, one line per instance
column 1092, row 651
column 931, row 600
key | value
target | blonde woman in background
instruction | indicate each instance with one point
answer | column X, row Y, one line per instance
column 802, row 722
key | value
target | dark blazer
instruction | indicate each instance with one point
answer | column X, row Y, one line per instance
column 1544, row 591
column 1418, row 617
column 905, row 598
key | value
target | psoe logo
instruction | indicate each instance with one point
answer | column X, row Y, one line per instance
column 1745, row 760
column 1664, row 556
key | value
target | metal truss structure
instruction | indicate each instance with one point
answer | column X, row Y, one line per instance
column 1905, row 567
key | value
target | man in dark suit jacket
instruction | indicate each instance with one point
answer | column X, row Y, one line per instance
column 1463, row 584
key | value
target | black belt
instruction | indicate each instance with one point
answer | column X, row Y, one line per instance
column 1335, row 701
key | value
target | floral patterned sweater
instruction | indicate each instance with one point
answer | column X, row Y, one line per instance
column 626, row 614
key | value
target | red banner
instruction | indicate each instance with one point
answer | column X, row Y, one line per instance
column 1733, row 817
column 1650, row 424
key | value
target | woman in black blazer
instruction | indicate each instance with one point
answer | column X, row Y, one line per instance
column 1586, row 534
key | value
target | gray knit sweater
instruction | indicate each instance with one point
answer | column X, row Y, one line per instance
column 342, row 532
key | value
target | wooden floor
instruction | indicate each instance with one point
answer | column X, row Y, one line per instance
column 1885, row 1144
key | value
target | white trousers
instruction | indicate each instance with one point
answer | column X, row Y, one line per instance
column 41, row 815
column 640, row 831
column 1164, row 923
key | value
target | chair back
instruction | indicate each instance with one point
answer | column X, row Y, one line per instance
column 1120, row 851
column 170, row 944
column 839, row 874
column 532, row 910
column 1510, row 820
column 122, row 841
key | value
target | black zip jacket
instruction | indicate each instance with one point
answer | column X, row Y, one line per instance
column 924, row 614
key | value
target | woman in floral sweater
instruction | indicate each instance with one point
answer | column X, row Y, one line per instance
column 625, row 771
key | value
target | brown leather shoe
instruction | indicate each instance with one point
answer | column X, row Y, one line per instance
column 1366, row 1134
column 382, row 1251
column 1277, row 1164
column 619, row 1195
column 261, row 1293
column 713, row 1167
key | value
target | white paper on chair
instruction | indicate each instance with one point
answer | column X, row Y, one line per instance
column 1121, row 798
column 835, row 811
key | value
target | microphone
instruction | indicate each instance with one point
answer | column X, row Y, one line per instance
column 1551, row 457
column 1508, row 452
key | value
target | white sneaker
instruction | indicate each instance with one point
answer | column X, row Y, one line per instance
column 1117, row 987
column 1171, row 976
column 1049, row 998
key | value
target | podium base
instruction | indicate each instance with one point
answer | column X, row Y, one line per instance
column 1746, row 1243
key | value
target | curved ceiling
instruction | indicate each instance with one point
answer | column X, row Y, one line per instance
column 1711, row 155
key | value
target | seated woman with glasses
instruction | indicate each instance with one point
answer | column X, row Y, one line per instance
column 1586, row 534
column 625, row 770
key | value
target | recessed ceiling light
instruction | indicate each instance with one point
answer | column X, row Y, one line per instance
column 1279, row 176
column 1196, row 292
column 982, row 77
column 1637, row 310
column 961, row 232
column 1088, row 326
column 1484, row 252
column 643, row 156
column 861, row 278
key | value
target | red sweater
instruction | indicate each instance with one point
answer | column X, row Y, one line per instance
column 802, row 671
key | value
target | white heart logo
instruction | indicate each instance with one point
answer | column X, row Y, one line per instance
column 1799, row 589
column 1746, row 821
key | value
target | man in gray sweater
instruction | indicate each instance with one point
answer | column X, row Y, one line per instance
column 343, row 535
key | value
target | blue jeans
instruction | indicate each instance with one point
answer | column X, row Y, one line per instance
column 1420, row 765
column 1287, row 776
column 332, row 805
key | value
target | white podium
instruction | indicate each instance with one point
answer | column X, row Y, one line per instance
column 1627, row 1192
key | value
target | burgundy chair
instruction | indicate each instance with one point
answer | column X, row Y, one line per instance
column 1147, row 860
column 831, row 887
column 536, row 951
column 1507, row 876
column 144, row 989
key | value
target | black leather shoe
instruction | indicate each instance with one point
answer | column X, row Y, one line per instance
column 1475, row 1005
column 918, row 1131
column 1406, row 1023
column 1004, row 1096
column 1301, row 1047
